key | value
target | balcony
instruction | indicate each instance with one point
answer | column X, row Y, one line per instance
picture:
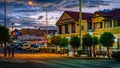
column 114, row 30
column 68, row 35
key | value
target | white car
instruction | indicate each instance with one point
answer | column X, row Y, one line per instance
column 26, row 47
column 34, row 47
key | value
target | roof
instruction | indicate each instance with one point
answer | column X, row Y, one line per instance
column 115, row 12
column 75, row 15
column 112, row 13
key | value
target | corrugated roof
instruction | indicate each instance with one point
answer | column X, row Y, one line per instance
column 75, row 15
column 112, row 13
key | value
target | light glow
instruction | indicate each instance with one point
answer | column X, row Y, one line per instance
column 30, row 3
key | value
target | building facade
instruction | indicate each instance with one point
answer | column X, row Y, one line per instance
column 68, row 24
column 107, row 22
column 31, row 35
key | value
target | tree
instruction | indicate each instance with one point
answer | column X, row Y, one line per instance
column 75, row 43
column 56, row 41
column 63, row 43
column 4, row 37
column 107, row 40
column 95, row 42
column 87, row 41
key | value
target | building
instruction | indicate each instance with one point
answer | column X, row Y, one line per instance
column 31, row 35
column 51, row 29
column 68, row 23
column 107, row 22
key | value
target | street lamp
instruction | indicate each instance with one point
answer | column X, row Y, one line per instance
column 5, row 13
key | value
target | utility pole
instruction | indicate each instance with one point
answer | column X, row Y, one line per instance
column 5, row 13
column 80, row 20
column 46, row 24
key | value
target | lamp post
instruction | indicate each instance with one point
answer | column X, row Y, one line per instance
column 5, row 13
column 80, row 19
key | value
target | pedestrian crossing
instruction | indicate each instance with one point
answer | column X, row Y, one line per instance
column 78, row 63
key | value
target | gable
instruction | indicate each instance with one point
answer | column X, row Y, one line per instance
column 97, row 17
column 64, row 18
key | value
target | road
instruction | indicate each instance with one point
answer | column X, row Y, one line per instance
column 63, row 63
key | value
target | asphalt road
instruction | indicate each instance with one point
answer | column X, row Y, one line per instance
column 63, row 63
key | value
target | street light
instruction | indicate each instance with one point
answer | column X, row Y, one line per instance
column 30, row 3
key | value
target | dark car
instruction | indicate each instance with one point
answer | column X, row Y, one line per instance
column 116, row 55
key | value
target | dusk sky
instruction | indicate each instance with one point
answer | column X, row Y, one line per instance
column 25, row 16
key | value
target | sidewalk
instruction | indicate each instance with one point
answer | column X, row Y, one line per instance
column 11, row 60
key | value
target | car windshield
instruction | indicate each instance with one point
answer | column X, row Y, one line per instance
column 33, row 45
column 40, row 44
column 26, row 45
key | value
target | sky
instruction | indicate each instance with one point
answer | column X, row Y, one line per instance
column 25, row 16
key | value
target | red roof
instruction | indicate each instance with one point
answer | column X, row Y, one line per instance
column 113, row 13
column 75, row 15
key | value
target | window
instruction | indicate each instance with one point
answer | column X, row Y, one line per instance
column 108, row 24
column 98, row 25
column 73, row 28
column 82, row 28
column 117, row 23
column 66, row 28
column 60, row 29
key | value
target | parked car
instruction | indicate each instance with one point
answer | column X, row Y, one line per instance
column 26, row 47
column 116, row 55
column 15, row 46
column 34, row 47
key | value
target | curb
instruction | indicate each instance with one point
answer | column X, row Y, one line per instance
column 89, row 58
column 11, row 60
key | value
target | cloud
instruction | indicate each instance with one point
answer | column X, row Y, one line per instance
column 19, row 12
column 40, row 17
